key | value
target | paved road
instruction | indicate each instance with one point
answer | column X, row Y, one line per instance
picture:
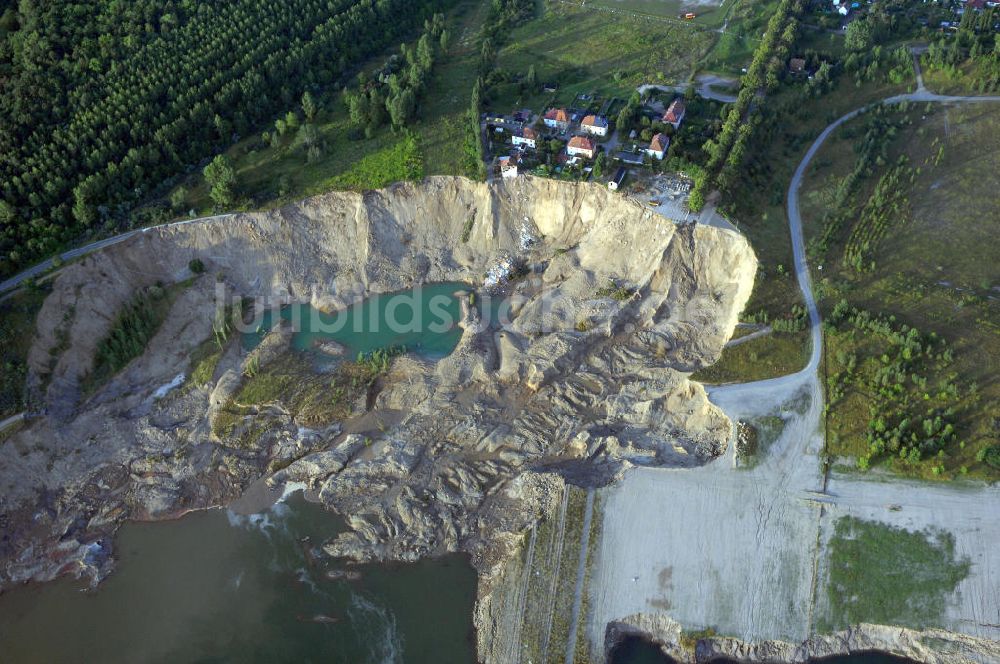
column 11, row 421
column 46, row 265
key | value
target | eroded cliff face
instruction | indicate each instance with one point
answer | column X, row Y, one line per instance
column 931, row 646
column 468, row 451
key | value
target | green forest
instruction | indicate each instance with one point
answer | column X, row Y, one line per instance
column 103, row 106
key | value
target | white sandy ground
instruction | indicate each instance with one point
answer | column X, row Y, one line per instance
column 744, row 550
column 719, row 546
column 740, row 550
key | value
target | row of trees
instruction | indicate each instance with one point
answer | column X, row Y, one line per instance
column 104, row 104
column 503, row 15
column 728, row 151
column 872, row 139
column 887, row 206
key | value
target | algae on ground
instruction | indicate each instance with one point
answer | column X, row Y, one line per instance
column 889, row 575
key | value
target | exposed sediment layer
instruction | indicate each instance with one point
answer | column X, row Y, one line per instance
column 929, row 646
column 469, row 450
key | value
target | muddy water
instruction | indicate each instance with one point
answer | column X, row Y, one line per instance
column 218, row 587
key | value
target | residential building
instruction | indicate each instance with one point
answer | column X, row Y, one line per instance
column 523, row 116
column 557, row 118
column 595, row 125
column 616, row 182
column 632, row 158
column 508, row 166
column 526, row 137
column 658, row 146
column 581, row 146
column 675, row 113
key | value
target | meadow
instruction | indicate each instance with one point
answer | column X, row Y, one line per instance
column 935, row 269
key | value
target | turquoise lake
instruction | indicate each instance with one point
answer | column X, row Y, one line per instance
column 424, row 320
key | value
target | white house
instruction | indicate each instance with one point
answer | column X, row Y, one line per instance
column 617, row 180
column 557, row 118
column 581, row 146
column 508, row 167
column 595, row 125
column 658, row 146
column 675, row 113
column 526, row 137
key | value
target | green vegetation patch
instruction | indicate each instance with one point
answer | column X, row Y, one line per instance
column 765, row 357
column 585, row 51
column 134, row 326
column 10, row 430
column 615, row 291
column 204, row 361
column 689, row 640
column 17, row 332
column 991, row 456
column 909, row 419
column 890, row 576
column 931, row 268
column 314, row 399
column 399, row 161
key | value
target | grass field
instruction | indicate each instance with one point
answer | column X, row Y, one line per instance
column 761, row 216
column 938, row 270
column 745, row 22
column 889, row 576
column 758, row 359
column 590, row 51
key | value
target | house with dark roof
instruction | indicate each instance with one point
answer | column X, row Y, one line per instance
column 615, row 182
column 595, row 125
column 626, row 157
column 675, row 113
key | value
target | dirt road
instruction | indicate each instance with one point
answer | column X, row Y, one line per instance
column 742, row 549
column 46, row 265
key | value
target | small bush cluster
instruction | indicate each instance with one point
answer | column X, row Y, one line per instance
column 615, row 292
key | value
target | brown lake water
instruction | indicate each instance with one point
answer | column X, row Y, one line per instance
column 219, row 587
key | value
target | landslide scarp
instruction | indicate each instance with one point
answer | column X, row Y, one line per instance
column 613, row 307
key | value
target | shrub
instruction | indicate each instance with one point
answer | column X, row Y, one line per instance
column 990, row 456
column 615, row 292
